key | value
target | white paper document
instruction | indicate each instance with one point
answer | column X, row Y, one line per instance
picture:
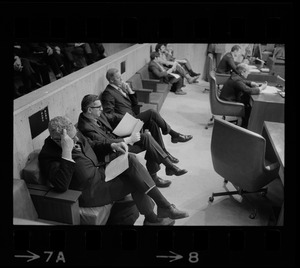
column 270, row 90
column 116, row 167
column 128, row 125
column 175, row 75
column 254, row 71
column 265, row 70
column 252, row 66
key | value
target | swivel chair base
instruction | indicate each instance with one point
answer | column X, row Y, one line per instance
column 241, row 192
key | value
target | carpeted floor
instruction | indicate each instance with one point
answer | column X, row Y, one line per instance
column 188, row 114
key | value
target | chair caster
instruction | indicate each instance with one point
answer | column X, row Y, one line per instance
column 211, row 199
column 253, row 215
column 206, row 127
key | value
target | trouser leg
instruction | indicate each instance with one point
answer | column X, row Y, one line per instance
column 154, row 153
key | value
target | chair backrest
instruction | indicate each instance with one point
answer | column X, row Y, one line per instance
column 238, row 155
column 221, row 78
column 135, row 82
column 144, row 73
column 221, row 107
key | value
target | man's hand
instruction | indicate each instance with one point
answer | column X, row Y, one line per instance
column 263, row 86
column 120, row 147
column 49, row 51
column 126, row 88
column 254, row 84
column 133, row 138
column 17, row 64
column 67, row 145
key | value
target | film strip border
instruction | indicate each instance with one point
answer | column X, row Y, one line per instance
column 153, row 246
column 147, row 22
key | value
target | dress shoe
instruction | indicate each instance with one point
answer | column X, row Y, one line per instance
column 159, row 182
column 171, row 212
column 174, row 170
column 180, row 92
column 193, row 74
column 162, row 221
column 181, row 138
column 172, row 158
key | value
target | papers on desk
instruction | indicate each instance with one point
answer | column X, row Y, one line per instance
column 254, row 71
column 265, row 70
column 175, row 75
column 270, row 90
column 116, row 167
column 128, row 125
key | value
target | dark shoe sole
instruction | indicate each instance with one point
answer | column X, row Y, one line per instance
column 171, row 172
column 176, row 141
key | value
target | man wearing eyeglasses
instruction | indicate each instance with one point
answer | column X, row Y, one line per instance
column 95, row 125
column 118, row 99
column 67, row 167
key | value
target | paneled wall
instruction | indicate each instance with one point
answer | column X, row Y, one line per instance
column 63, row 97
column 195, row 53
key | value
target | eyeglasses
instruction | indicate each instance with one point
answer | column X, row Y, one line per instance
column 96, row 107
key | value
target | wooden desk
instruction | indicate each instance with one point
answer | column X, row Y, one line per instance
column 274, row 132
column 265, row 107
column 262, row 77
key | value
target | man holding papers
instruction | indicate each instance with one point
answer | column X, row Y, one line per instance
column 93, row 124
column 166, row 76
column 68, row 161
column 118, row 99
column 238, row 89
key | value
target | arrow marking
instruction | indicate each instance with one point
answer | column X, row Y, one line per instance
column 31, row 257
column 175, row 258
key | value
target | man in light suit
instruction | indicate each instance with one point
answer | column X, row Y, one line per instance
column 68, row 161
column 118, row 98
column 93, row 124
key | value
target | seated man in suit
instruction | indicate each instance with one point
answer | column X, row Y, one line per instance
column 93, row 124
column 238, row 89
column 118, row 98
column 68, row 161
column 227, row 63
column 164, row 75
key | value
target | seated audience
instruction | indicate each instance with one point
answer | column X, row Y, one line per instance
column 118, row 98
column 238, row 89
column 68, row 161
column 98, row 51
column 177, row 68
column 95, row 125
column 227, row 63
column 169, row 52
column 165, row 75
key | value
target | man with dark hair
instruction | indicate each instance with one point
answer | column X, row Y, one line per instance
column 164, row 75
column 118, row 99
column 93, row 124
column 238, row 89
column 227, row 63
column 68, row 161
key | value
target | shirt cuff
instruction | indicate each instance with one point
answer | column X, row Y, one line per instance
column 71, row 160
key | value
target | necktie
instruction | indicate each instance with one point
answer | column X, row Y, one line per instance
column 122, row 92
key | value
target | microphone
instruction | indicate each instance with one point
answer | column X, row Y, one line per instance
column 260, row 60
column 279, row 77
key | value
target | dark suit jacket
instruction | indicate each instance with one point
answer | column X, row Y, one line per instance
column 157, row 72
column 227, row 64
column 96, row 133
column 86, row 174
column 115, row 105
column 235, row 87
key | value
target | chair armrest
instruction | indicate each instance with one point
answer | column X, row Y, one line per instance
column 54, row 206
column 143, row 95
column 150, row 83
